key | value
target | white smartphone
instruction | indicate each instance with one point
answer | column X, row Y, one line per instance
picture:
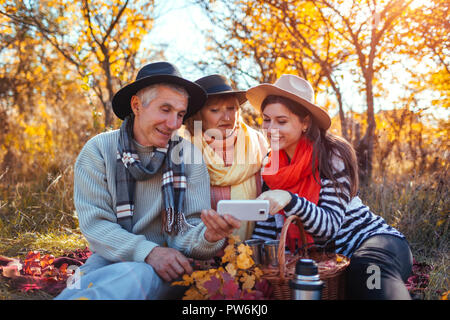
column 246, row 210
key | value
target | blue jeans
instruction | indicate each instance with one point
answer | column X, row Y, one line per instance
column 100, row 279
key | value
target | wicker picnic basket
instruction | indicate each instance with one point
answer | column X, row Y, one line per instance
column 331, row 268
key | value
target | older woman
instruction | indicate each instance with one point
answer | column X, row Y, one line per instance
column 232, row 150
column 313, row 174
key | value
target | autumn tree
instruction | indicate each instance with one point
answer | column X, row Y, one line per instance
column 36, row 101
column 61, row 63
column 424, row 36
column 279, row 40
column 99, row 40
column 322, row 41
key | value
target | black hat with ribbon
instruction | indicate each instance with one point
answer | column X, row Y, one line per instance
column 217, row 84
column 154, row 73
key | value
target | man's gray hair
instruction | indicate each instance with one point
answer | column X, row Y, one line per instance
column 147, row 94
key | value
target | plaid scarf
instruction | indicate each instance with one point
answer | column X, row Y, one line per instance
column 130, row 169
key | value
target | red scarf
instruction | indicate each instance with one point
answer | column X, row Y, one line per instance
column 296, row 177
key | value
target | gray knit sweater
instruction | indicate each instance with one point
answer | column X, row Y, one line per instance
column 95, row 198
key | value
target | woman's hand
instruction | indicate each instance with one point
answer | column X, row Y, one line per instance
column 278, row 199
column 218, row 227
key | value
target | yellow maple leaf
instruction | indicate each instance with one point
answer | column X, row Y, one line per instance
column 199, row 274
column 229, row 254
column 258, row 272
column 244, row 261
column 187, row 280
column 248, row 281
column 232, row 239
column 231, row 269
column 243, row 248
column 193, row 294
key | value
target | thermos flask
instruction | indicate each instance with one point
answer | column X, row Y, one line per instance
column 306, row 285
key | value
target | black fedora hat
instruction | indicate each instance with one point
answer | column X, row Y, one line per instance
column 153, row 73
column 217, row 84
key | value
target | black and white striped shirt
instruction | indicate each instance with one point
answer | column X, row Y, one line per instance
column 346, row 221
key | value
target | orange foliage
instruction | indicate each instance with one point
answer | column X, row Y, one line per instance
column 235, row 278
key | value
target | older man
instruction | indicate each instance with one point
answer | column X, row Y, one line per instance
column 139, row 198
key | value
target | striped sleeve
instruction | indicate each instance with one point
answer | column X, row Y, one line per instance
column 325, row 219
column 266, row 230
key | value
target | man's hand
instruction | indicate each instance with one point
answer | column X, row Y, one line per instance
column 218, row 227
column 278, row 199
column 169, row 263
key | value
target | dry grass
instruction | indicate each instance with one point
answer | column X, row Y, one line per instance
column 419, row 207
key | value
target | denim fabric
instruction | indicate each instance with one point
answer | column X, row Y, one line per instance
column 100, row 279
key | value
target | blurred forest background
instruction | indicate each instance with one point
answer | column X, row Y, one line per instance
column 381, row 67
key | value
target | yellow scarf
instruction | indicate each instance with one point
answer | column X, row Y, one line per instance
column 240, row 176
column 247, row 162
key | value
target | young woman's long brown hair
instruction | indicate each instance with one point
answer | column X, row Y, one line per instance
column 326, row 146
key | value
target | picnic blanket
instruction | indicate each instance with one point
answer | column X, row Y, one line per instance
column 42, row 272
column 50, row 274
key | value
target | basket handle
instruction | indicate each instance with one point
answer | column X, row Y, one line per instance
column 282, row 245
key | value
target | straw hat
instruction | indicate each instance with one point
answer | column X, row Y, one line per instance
column 292, row 87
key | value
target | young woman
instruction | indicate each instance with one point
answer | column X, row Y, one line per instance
column 232, row 150
column 313, row 174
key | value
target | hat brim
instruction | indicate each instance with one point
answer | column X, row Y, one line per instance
column 121, row 102
column 239, row 94
column 256, row 96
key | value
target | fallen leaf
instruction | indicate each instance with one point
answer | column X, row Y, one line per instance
column 63, row 268
column 248, row 281
column 258, row 272
column 230, row 254
column 217, row 296
column 231, row 269
column 192, row 294
column 212, row 285
column 226, row 276
column 244, row 261
column 47, row 260
column 230, row 289
column 187, row 280
column 243, row 248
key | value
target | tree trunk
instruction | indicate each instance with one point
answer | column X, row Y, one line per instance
column 343, row 120
column 109, row 118
column 365, row 146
